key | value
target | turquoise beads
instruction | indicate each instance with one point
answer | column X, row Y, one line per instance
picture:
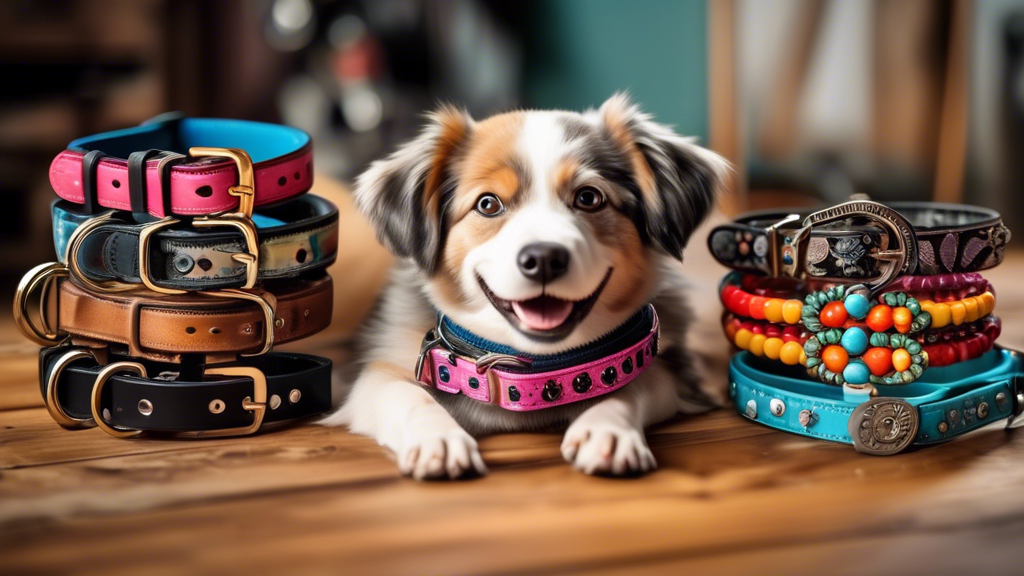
column 854, row 341
column 857, row 305
column 856, row 372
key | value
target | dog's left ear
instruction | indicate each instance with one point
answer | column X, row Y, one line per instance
column 677, row 180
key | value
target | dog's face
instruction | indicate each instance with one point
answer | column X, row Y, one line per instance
column 541, row 230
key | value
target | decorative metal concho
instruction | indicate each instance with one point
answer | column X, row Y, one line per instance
column 883, row 426
column 825, row 314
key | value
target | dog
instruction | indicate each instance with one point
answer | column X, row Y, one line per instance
column 541, row 231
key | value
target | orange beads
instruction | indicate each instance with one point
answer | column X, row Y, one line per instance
column 900, row 359
column 833, row 314
column 880, row 318
column 757, row 307
column 901, row 319
column 879, row 361
column 835, row 358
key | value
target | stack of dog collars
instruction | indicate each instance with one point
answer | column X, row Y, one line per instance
column 187, row 249
column 868, row 324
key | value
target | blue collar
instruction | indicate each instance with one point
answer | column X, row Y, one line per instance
column 629, row 333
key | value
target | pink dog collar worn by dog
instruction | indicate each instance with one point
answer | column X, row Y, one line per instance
column 455, row 361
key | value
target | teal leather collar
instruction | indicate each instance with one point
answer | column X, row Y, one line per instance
column 944, row 403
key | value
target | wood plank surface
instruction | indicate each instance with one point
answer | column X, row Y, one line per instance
column 729, row 496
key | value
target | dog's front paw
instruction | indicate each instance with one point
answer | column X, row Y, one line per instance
column 596, row 447
column 441, row 454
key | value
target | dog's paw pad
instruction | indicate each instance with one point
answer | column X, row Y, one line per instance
column 441, row 455
column 606, row 449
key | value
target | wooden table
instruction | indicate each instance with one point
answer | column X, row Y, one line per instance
column 729, row 496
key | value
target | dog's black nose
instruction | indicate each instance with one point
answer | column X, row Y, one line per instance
column 543, row 261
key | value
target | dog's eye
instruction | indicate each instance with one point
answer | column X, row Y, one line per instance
column 489, row 205
column 589, row 199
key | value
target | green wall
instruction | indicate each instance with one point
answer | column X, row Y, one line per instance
column 581, row 51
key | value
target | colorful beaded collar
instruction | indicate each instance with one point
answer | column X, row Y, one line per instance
column 790, row 310
column 785, row 343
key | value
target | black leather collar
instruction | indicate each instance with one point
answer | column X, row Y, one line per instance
column 295, row 237
column 843, row 243
column 185, row 397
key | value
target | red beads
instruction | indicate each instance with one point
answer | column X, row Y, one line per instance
column 835, row 358
column 879, row 318
column 833, row 315
column 879, row 361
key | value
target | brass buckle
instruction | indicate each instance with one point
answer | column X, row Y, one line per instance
column 246, row 188
column 268, row 308
column 240, row 220
column 40, row 277
column 257, row 403
column 50, row 397
column 249, row 258
column 894, row 261
column 97, row 392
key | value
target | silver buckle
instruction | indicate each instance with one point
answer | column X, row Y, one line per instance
column 435, row 338
column 790, row 259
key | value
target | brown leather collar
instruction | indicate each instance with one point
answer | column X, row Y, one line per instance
column 163, row 328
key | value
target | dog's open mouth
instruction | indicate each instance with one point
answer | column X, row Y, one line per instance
column 545, row 317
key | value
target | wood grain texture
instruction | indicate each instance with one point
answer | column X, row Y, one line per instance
column 729, row 496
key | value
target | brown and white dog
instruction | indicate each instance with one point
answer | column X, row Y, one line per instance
column 543, row 231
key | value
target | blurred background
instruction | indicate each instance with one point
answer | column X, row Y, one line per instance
column 811, row 99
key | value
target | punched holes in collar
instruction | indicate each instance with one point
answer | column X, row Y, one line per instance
column 474, row 383
column 443, row 373
column 627, row 365
column 145, row 407
column 217, row 406
column 275, row 402
column 294, row 396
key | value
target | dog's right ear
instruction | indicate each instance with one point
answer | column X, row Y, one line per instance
column 403, row 195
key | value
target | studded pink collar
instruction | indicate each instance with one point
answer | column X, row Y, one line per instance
column 455, row 361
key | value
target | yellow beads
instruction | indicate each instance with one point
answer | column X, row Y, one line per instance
column 743, row 337
column 972, row 308
column 773, row 347
column 757, row 344
column 956, row 313
column 791, row 310
column 790, row 352
column 901, row 360
column 773, row 310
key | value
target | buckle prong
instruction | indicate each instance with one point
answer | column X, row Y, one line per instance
column 257, row 403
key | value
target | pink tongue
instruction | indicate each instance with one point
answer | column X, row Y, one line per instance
column 542, row 313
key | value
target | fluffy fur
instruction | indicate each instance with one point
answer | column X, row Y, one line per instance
column 657, row 187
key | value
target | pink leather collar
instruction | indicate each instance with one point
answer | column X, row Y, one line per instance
column 282, row 166
column 507, row 381
column 196, row 188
